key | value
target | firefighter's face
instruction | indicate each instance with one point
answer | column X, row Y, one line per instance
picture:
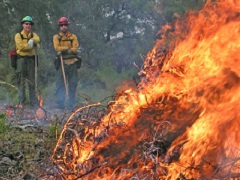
column 27, row 26
column 63, row 28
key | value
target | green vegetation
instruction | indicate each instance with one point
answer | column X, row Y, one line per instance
column 3, row 127
column 25, row 148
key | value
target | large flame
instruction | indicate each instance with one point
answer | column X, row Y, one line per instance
column 191, row 88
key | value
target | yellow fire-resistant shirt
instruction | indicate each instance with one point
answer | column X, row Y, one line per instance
column 22, row 44
column 63, row 42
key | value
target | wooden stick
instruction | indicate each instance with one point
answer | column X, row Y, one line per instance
column 36, row 74
column 64, row 76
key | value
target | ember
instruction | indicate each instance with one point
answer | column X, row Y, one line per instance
column 181, row 123
column 26, row 113
column 20, row 113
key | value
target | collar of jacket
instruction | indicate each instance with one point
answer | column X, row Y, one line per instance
column 24, row 35
column 68, row 34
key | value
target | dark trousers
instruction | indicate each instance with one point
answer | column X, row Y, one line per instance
column 26, row 78
column 72, row 81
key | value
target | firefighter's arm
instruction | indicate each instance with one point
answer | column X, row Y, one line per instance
column 20, row 45
column 57, row 46
column 75, row 44
column 36, row 38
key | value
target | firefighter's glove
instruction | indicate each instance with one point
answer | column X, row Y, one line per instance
column 30, row 43
column 64, row 51
column 36, row 45
column 69, row 51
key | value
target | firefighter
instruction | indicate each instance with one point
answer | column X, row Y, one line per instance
column 66, row 63
column 25, row 42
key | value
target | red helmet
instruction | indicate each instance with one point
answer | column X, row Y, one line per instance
column 63, row 20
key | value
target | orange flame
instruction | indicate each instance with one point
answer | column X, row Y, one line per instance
column 20, row 105
column 40, row 101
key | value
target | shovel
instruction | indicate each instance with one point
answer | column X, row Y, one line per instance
column 64, row 76
column 36, row 73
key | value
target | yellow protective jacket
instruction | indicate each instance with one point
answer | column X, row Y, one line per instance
column 68, row 43
column 22, row 44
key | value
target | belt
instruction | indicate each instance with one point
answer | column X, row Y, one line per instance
column 25, row 56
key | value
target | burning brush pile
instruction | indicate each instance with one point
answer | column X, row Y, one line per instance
column 182, row 120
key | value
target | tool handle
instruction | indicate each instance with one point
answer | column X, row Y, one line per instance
column 64, row 76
